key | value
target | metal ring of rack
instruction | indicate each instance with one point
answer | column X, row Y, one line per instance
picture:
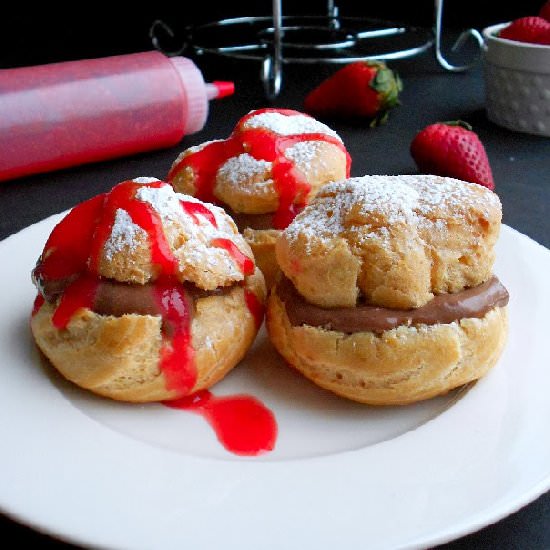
column 278, row 40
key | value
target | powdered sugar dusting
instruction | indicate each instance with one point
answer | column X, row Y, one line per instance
column 208, row 343
column 242, row 168
column 125, row 235
column 289, row 124
column 453, row 195
column 356, row 204
column 304, row 153
column 144, row 180
column 162, row 199
column 196, row 255
column 328, row 214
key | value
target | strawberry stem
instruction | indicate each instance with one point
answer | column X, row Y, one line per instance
column 388, row 85
column 461, row 123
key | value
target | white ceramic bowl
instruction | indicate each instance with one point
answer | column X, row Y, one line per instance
column 517, row 83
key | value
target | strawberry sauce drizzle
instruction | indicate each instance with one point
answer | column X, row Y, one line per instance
column 244, row 263
column 195, row 209
column 256, row 308
column 262, row 144
column 243, row 425
column 177, row 353
column 38, row 303
column 79, row 294
column 123, row 196
column 68, row 247
column 205, row 164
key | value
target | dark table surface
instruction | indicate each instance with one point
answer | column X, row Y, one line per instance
column 520, row 163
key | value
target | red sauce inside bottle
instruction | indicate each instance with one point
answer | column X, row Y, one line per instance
column 262, row 144
column 74, row 250
column 243, row 425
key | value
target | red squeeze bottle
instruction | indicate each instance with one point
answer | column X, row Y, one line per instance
column 63, row 114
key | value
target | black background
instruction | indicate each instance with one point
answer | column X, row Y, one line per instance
column 47, row 33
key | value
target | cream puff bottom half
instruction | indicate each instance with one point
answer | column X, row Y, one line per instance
column 396, row 367
column 119, row 357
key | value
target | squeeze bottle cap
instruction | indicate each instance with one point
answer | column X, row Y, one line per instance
column 219, row 89
column 197, row 93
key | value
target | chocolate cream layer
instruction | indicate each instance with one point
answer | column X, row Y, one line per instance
column 114, row 298
column 117, row 299
column 443, row 308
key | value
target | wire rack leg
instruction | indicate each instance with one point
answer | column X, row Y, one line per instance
column 438, row 31
column 272, row 66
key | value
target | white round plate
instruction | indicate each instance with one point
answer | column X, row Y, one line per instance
column 108, row 474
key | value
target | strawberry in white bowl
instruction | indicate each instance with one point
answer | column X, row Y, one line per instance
column 517, row 74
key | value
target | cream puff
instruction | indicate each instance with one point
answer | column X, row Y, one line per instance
column 387, row 294
column 271, row 166
column 146, row 294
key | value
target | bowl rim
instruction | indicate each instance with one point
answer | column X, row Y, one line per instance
column 489, row 34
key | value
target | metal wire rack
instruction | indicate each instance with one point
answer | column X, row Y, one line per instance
column 277, row 40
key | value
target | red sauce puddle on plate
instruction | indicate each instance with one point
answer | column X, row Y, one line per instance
column 243, row 425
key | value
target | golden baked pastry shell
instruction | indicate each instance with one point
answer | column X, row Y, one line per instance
column 398, row 366
column 262, row 243
column 118, row 357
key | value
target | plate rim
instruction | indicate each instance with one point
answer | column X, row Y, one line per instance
column 477, row 521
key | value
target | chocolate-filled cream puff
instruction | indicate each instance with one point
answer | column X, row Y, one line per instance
column 387, row 294
column 271, row 166
column 146, row 294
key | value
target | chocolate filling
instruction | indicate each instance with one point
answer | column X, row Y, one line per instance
column 51, row 289
column 444, row 308
column 117, row 299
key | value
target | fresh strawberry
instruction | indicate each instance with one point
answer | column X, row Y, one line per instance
column 452, row 149
column 365, row 89
column 545, row 11
column 533, row 29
